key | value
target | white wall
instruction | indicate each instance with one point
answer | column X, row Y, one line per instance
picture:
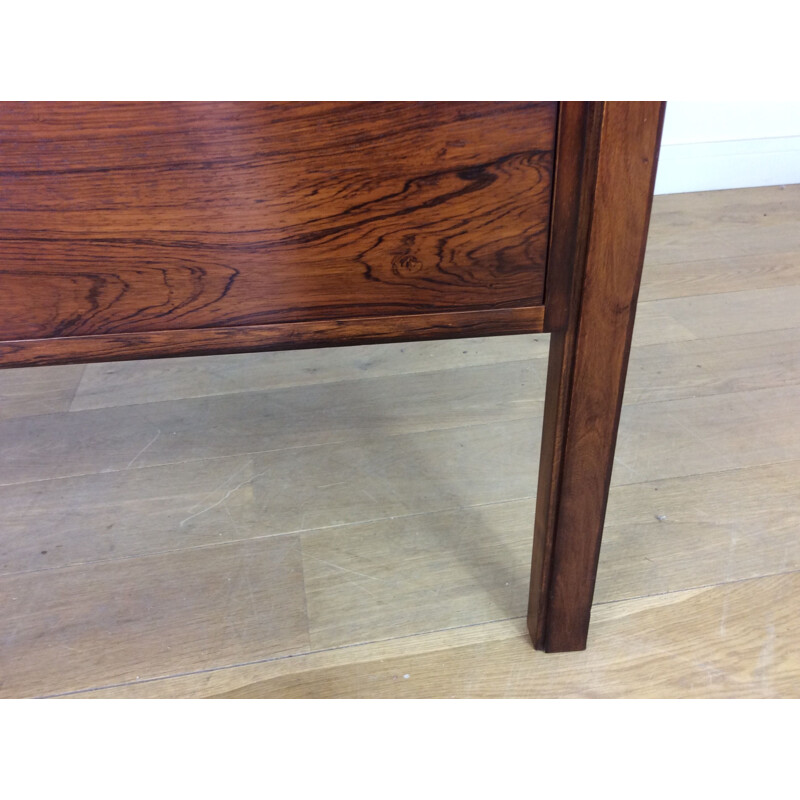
column 708, row 146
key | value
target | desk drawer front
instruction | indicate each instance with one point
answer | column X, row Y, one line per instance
column 131, row 218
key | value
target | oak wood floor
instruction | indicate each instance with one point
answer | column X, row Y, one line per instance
column 357, row 522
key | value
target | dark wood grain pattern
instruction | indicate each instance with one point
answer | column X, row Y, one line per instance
column 121, row 218
column 277, row 336
column 602, row 203
column 151, row 230
column 575, row 177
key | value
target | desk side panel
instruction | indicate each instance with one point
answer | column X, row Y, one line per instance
column 150, row 218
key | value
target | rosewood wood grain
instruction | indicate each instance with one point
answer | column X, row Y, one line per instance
column 132, row 230
column 603, row 194
column 278, row 336
column 120, row 218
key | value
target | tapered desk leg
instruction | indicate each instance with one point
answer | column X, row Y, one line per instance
column 593, row 306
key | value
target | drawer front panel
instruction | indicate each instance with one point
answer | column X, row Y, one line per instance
column 123, row 218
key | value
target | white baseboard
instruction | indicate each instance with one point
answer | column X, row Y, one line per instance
column 707, row 166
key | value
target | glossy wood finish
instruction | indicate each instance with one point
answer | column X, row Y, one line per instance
column 701, row 602
column 130, row 218
column 277, row 336
column 151, row 230
column 604, row 189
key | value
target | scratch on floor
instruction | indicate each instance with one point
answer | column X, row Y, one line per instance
column 343, row 569
column 213, row 505
column 724, row 616
column 219, row 486
column 236, row 527
column 148, row 445
column 253, row 605
column 696, row 436
column 766, row 663
column 222, row 499
column 627, row 466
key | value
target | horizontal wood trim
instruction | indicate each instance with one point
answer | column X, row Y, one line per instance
column 280, row 336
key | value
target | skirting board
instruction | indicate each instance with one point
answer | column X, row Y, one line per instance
column 707, row 166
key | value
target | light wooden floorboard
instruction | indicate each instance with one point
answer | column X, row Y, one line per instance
column 30, row 391
column 710, row 276
column 324, row 523
column 743, row 642
column 749, row 311
column 721, row 225
column 736, row 640
column 174, row 431
column 716, row 365
column 119, row 621
column 131, row 382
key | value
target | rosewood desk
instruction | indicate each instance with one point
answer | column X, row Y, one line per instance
column 146, row 230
